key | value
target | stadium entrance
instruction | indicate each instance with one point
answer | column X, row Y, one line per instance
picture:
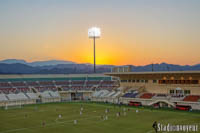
column 77, row 96
column 74, row 95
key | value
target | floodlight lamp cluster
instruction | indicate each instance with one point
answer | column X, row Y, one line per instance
column 94, row 32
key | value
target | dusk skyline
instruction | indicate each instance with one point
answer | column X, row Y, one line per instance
column 136, row 32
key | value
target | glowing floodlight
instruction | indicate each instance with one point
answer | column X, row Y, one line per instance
column 94, row 32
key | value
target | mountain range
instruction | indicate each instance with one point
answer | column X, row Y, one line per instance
column 14, row 66
column 36, row 63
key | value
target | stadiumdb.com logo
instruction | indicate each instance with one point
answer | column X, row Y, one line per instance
column 174, row 128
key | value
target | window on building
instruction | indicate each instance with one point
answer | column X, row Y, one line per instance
column 129, row 80
column 123, row 80
column 171, row 91
column 142, row 81
column 133, row 81
column 186, row 92
column 138, row 80
column 178, row 81
column 154, row 81
column 146, row 81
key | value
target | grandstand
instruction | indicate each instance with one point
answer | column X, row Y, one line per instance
column 163, row 89
column 32, row 89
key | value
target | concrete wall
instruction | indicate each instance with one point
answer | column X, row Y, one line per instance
column 19, row 102
column 163, row 88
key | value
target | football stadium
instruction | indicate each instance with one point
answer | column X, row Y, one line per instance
column 112, row 102
column 99, row 66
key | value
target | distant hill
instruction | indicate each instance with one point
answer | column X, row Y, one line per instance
column 49, row 62
column 13, row 66
column 37, row 63
column 17, row 68
column 165, row 67
column 13, row 61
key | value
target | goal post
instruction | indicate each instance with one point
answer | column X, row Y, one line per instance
column 13, row 106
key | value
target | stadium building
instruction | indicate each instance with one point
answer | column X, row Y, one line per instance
column 180, row 89
column 176, row 89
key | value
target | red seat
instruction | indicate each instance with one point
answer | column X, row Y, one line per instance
column 192, row 98
column 147, row 95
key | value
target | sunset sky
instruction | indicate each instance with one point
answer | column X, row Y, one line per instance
column 137, row 32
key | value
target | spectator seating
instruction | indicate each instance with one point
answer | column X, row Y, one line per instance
column 130, row 95
column 54, row 94
column 77, row 83
column 147, row 95
column 46, row 88
column 23, row 89
column 16, row 97
column 3, row 97
column 32, row 95
column 5, row 84
column 45, row 94
column 192, row 98
column 105, row 88
column 18, row 84
column 40, row 89
column 104, row 93
column 8, row 90
column 92, row 83
column 65, row 88
column 116, row 94
column 100, row 93
column 110, row 94
column 21, row 86
column 32, row 83
column 46, row 83
column 107, row 83
column 62, row 83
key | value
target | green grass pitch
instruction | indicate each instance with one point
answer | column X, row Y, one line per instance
column 29, row 119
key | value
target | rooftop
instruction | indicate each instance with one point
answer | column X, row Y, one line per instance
column 155, row 72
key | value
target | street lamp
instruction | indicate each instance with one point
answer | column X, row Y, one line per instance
column 94, row 33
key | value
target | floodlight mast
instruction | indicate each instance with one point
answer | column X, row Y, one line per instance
column 94, row 56
column 94, row 33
